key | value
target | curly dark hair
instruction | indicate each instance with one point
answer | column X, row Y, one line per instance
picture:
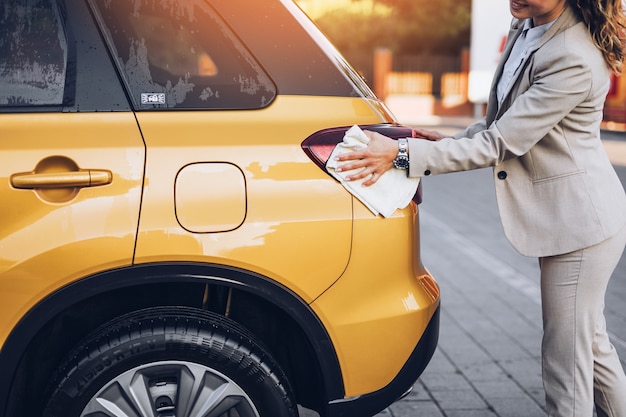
column 606, row 22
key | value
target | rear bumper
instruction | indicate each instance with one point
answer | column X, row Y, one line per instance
column 373, row 403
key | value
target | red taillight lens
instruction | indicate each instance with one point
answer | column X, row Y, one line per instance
column 320, row 145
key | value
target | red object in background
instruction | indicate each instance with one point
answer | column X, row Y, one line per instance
column 615, row 105
column 613, row 89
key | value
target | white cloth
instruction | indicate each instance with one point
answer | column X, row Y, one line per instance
column 393, row 190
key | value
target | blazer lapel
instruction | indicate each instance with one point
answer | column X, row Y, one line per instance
column 514, row 32
column 566, row 20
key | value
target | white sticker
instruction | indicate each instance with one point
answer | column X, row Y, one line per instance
column 152, row 98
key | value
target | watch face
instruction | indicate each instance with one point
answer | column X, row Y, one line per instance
column 401, row 162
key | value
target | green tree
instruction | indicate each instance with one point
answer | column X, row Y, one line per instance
column 406, row 26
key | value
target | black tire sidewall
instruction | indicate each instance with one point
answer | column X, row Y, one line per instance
column 165, row 334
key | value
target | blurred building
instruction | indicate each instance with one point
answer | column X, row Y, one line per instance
column 426, row 86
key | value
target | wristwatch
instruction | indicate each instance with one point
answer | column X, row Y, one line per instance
column 402, row 159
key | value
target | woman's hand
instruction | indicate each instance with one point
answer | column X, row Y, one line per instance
column 427, row 134
column 375, row 160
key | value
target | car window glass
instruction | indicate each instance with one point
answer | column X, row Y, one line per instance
column 33, row 53
column 180, row 54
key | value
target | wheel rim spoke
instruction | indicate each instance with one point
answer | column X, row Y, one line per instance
column 114, row 400
column 171, row 389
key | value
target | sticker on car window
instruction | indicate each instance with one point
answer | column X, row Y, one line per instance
column 152, row 98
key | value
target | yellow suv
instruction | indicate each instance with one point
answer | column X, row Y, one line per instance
column 170, row 241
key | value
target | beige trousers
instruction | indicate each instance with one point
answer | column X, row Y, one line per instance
column 580, row 365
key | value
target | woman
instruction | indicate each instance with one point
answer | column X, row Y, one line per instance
column 558, row 195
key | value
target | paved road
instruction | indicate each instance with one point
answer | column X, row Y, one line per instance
column 488, row 360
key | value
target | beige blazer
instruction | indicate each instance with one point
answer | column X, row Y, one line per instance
column 556, row 189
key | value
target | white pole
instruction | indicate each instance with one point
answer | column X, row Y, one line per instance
column 491, row 20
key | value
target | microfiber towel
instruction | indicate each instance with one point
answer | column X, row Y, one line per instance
column 393, row 190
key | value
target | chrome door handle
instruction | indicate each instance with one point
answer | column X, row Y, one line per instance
column 69, row 179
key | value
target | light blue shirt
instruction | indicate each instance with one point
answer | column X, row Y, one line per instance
column 522, row 47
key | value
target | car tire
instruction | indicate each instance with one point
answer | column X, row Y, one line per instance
column 171, row 362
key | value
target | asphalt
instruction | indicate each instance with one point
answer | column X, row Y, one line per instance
column 488, row 361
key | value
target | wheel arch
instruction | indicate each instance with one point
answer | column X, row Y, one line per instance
column 282, row 320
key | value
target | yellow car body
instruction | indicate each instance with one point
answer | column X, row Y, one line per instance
column 108, row 212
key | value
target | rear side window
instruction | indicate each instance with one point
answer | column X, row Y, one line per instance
column 180, row 54
column 33, row 54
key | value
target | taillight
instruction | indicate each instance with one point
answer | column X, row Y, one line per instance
column 320, row 144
